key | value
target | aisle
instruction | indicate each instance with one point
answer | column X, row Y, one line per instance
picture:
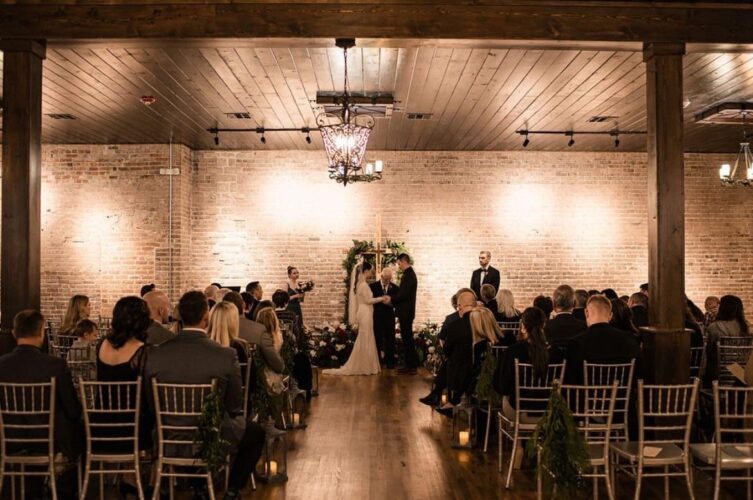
column 370, row 438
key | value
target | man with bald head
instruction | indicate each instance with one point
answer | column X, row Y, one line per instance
column 458, row 348
column 159, row 312
column 384, row 318
column 601, row 342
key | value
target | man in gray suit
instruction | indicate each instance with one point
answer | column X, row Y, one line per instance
column 192, row 358
column 159, row 313
column 255, row 333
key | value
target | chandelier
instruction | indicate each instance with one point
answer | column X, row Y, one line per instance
column 727, row 173
column 345, row 135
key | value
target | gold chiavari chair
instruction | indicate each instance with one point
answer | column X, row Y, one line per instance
column 605, row 374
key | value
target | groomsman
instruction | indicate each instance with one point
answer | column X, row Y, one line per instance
column 384, row 318
column 484, row 274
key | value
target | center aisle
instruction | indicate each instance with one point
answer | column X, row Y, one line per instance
column 368, row 437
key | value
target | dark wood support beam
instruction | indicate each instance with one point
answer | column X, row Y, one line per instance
column 666, row 343
column 606, row 21
column 22, row 177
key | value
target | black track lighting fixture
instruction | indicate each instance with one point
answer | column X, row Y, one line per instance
column 263, row 139
column 307, row 131
column 216, row 138
column 614, row 133
column 571, row 142
column 526, row 142
column 617, row 141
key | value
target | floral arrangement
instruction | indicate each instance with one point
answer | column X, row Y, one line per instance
column 330, row 347
column 212, row 447
column 306, row 286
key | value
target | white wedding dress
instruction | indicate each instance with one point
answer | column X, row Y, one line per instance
column 364, row 359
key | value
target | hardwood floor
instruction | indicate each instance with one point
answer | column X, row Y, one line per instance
column 370, row 438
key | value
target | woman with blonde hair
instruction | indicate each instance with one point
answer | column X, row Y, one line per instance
column 78, row 308
column 506, row 312
column 223, row 328
column 268, row 318
column 484, row 326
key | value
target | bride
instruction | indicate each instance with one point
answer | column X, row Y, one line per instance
column 364, row 359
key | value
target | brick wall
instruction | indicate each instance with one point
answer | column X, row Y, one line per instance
column 547, row 218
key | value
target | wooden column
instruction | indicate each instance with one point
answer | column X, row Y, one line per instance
column 666, row 343
column 22, row 162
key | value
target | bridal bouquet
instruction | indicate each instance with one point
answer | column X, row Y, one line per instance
column 306, row 286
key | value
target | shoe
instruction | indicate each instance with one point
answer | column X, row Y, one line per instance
column 430, row 400
column 407, row 371
column 232, row 494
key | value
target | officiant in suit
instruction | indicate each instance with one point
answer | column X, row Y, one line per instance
column 485, row 274
column 384, row 317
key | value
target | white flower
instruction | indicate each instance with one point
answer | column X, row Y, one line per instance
column 431, row 350
column 339, row 347
column 334, row 357
column 322, row 343
column 343, row 326
column 312, row 353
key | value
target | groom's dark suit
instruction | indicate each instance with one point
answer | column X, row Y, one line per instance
column 384, row 321
column 405, row 307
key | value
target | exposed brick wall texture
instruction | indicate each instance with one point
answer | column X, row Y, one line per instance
column 547, row 218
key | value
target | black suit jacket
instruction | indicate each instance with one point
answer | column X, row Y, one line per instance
column 458, row 348
column 601, row 343
column 580, row 313
column 492, row 278
column 640, row 316
column 27, row 364
column 383, row 313
column 405, row 299
column 560, row 329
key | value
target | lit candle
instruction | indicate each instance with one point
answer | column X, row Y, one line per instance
column 272, row 468
column 725, row 171
column 379, row 166
column 444, row 399
column 296, row 418
column 462, row 439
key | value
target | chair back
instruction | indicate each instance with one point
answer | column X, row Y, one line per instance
column 246, row 369
column 532, row 392
column 111, row 416
column 727, row 354
column 82, row 362
column 696, row 358
column 510, row 326
column 498, row 350
column 592, row 408
column 665, row 413
column 61, row 344
column 27, row 419
column 178, row 408
column 746, row 340
column 601, row 374
column 733, row 415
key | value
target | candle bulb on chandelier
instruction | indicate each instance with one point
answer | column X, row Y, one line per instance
column 725, row 171
column 379, row 166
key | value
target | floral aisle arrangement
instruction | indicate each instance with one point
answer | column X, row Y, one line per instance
column 427, row 347
column 330, row 347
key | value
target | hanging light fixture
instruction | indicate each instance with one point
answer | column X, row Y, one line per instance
column 728, row 174
column 345, row 136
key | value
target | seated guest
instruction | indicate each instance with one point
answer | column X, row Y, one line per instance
column 609, row 293
column 711, row 305
column 267, row 318
column 86, row 333
column 545, row 304
column 563, row 326
column 601, row 342
column 248, row 302
column 579, row 311
column 487, row 297
column 28, row 364
column 147, row 288
column 211, row 294
column 159, row 315
column 625, row 298
column 303, row 373
column 264, row 304
column 730, row 322
column 280, row 299
column 450, row 318
column 622, row 318
column 506, row 312
column 531, row 349
column 120, row 358
column 223, row 329
column 78, row 309
column 644, row 289
column 638, row 304
column 695, row 310
column 458, row 348
column 191, row 358
column 591, row 293
column 486, row 333
column 256, row 334
column 696, row 338
column 254, row 288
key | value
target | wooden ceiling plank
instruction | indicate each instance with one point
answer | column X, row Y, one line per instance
column 227, row 102
column 370, row 68
column 447, row 115
column 261, row 107
column 578, row 71
column 305, row 70
column 418, row 81
column 322, row 70
column 387, row 68
column 406, row 62
column 294, row 119
column 428, row 94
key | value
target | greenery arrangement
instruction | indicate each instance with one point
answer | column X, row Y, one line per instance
column 484, row 389
column 212, row 447
column 262, row 401
column 563, row 455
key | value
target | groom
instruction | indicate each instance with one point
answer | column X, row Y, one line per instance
column 405, row 307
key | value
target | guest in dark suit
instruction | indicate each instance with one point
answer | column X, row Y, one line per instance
column 384, row 317
column 601, row 342
column 405, row 308
column 579, row 311
column 254, row 333
column 545, row 304
column 254, row 288
column 159, row 313
column 563, row 326
column 191, row 358
column 484, row 274
column 487, row 297
column 28, row 364
column 638, row 304
column 458, row 348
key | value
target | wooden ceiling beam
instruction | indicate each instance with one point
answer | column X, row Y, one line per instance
column 705, row 23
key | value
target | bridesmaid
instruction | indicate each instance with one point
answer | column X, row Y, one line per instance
column 296, row 294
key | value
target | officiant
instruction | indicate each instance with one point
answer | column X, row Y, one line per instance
column 384, row 318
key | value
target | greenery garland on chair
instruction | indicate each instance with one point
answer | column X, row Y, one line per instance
column 484, row 389
column 262, row 403
column 212, row 447
column 391, row 250
column 561, row 449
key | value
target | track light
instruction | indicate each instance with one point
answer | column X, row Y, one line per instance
column 526, row 142
column 216, row 139
column 263, row 139
column 571, row 142
column 308, row 138
column 617, row 141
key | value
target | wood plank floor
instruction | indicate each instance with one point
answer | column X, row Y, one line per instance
column 370, row 438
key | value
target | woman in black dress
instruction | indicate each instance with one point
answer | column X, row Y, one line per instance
column 296, row 294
